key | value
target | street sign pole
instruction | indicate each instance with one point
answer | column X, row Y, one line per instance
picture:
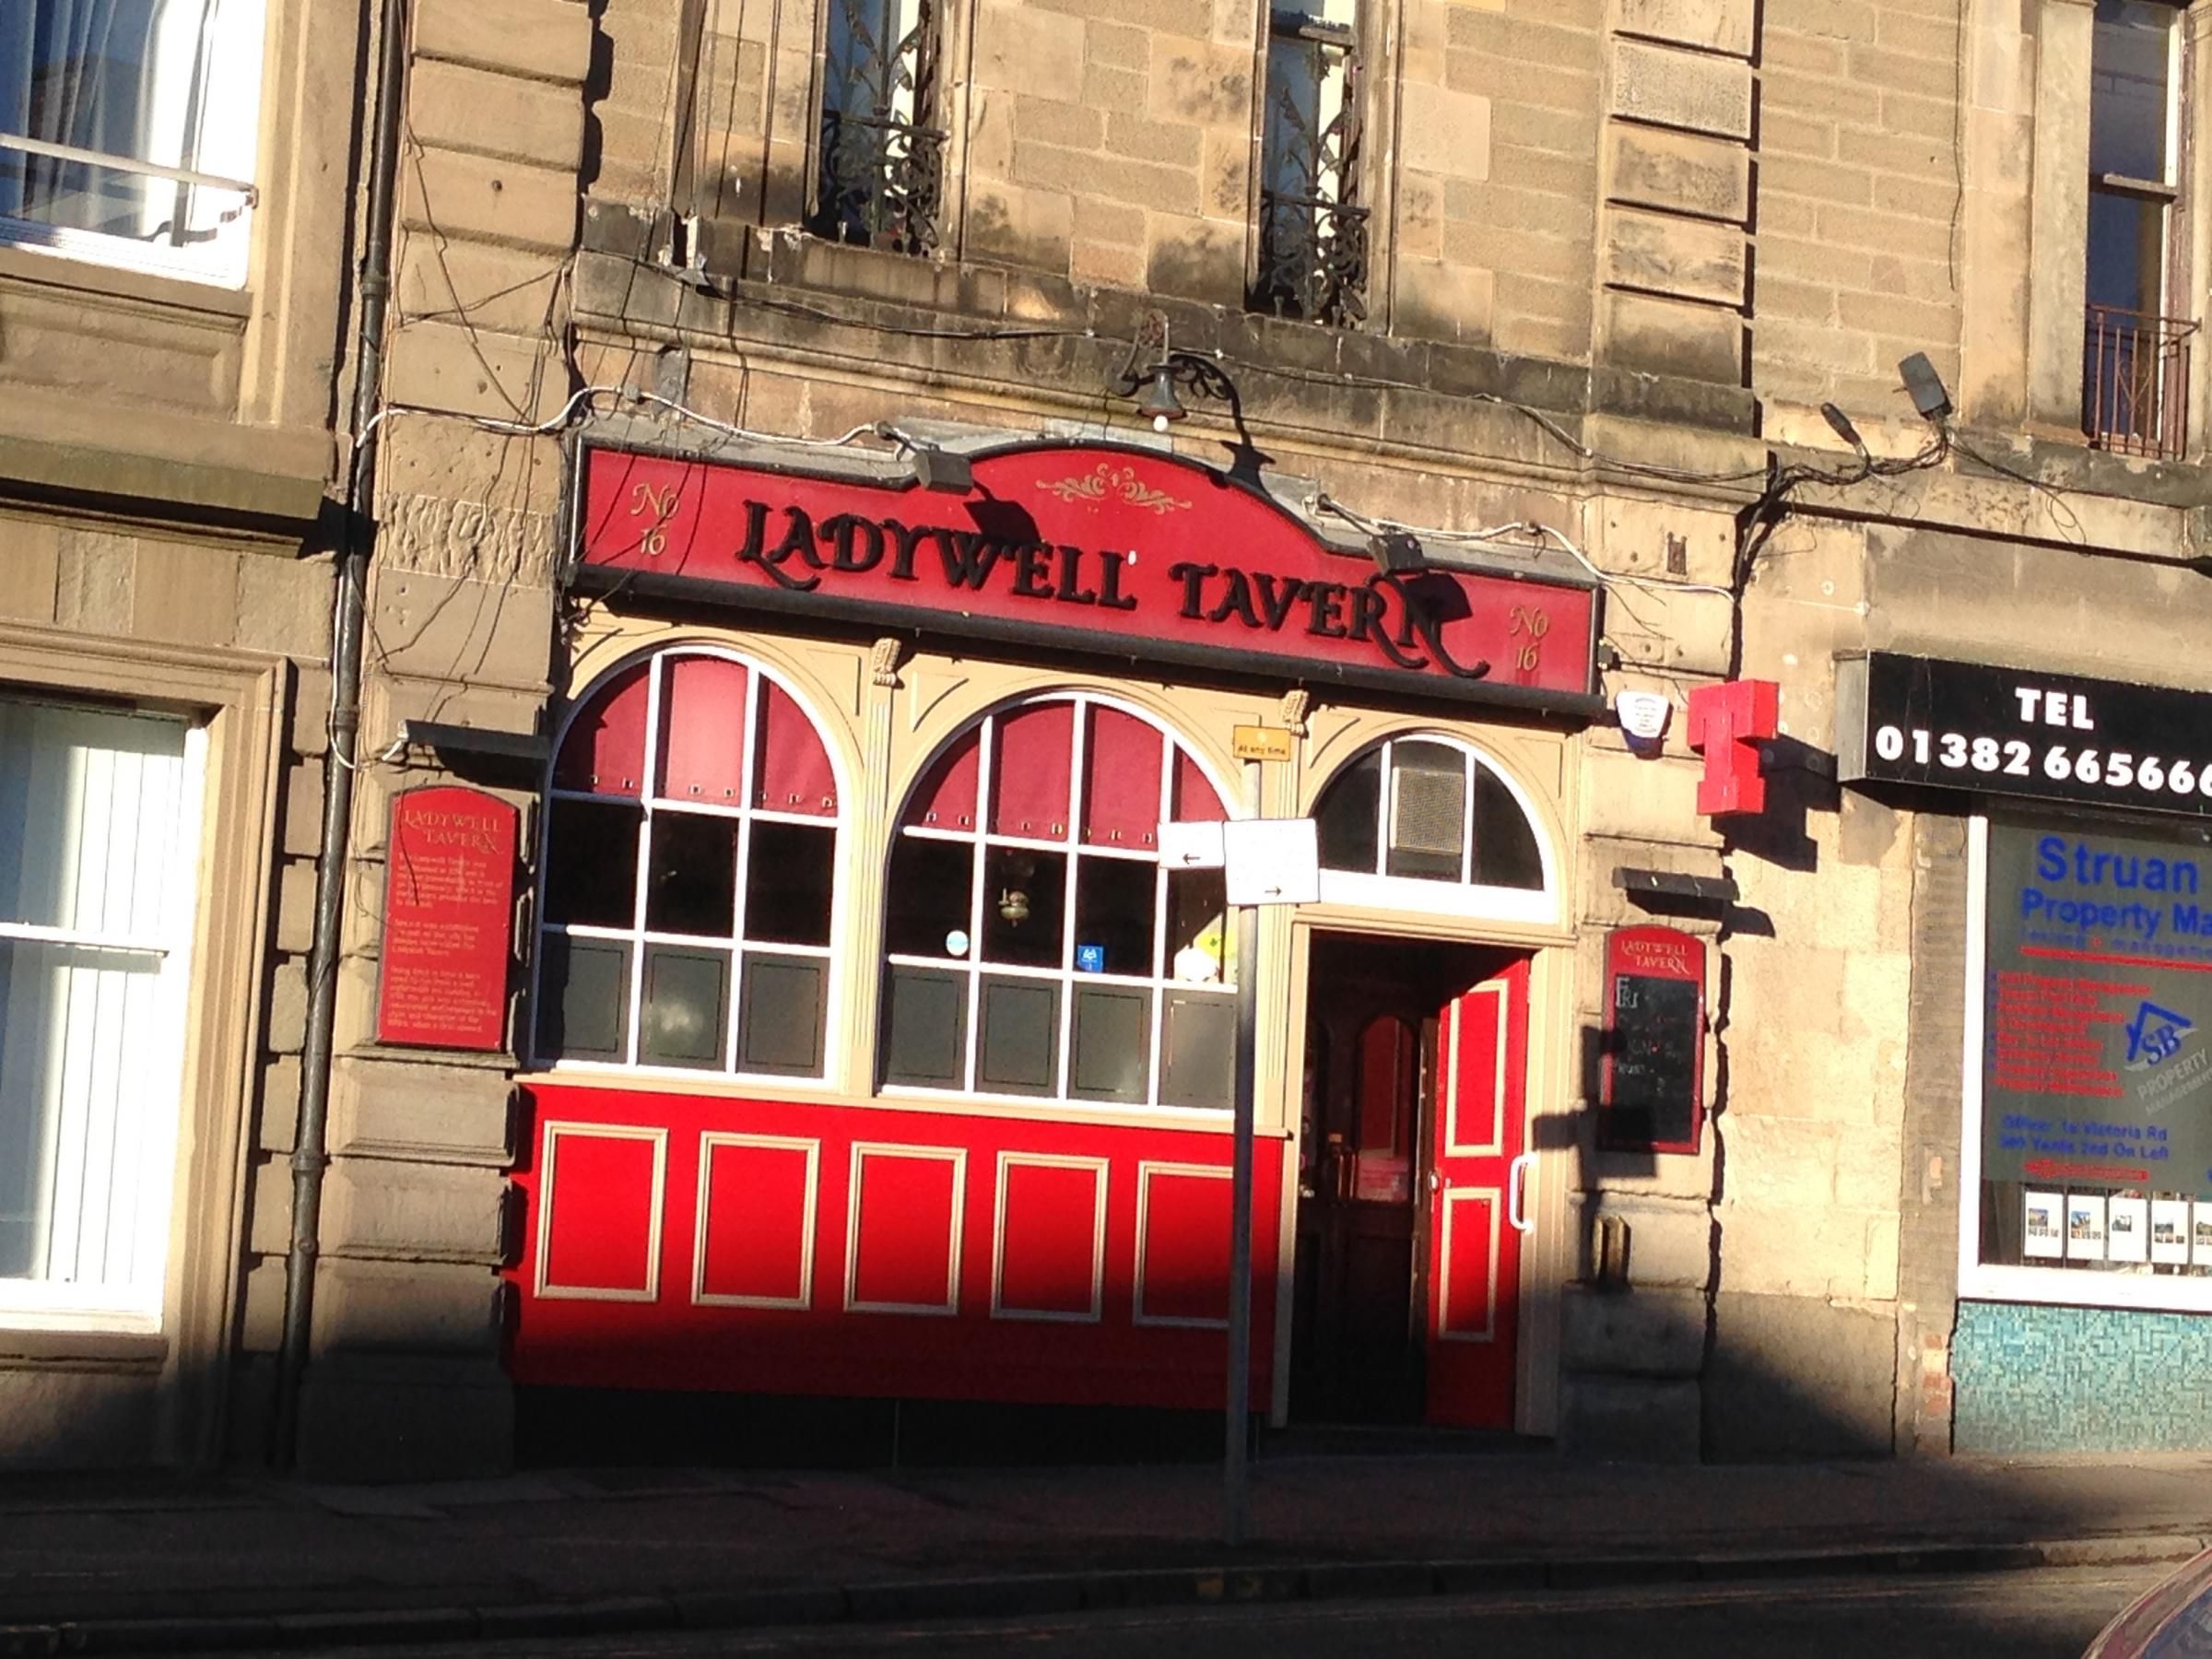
column 1236, row 1475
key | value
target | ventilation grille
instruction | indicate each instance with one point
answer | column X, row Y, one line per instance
column 1428, row 812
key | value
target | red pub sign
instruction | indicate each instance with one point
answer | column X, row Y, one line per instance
column 1113, row 551
column 449, row 910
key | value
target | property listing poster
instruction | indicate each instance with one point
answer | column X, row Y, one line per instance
column 2097, row 1061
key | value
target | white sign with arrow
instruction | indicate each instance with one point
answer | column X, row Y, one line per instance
column 1272, row 861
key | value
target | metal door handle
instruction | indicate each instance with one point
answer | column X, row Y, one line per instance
column 1436, row 1179
column 1516, row 1211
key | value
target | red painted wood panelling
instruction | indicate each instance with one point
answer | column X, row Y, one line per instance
column 759, row 1221
column 1051, row 1238
column 605, row 748
column 674, row 1342
column 792, row 769
column 1121, row 780
column 703, row 729
column 602, row 1204
column 1030, row 772
column 1194, row 797
column 1469, row 1257
column 1184, row 1246
column 905, row 1230
column 946, row 799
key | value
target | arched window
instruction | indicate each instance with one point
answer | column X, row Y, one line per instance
column 1034, row 943
column 1431, row 810
column 689, row 874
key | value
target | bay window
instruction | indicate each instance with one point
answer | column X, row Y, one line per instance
column 128, row 131
column 98, row 836
column 691, row 861
column 1035, row 945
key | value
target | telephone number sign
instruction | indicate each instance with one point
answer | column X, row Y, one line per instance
column 2014, row 732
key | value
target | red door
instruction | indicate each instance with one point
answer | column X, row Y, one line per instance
column 1478, row 1203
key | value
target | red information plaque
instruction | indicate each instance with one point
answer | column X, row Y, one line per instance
column 449, row 919
column 1652, row 1098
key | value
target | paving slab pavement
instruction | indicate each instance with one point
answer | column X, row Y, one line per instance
column 635, row 1548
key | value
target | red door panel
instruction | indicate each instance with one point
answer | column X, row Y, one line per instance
column 1479, row 1127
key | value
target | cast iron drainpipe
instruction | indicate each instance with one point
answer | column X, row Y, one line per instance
column 309, row 1156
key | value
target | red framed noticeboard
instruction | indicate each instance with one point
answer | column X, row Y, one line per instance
column 1652, row 1093
column 448, row 920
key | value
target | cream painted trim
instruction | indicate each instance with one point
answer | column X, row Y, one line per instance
column 709, row 1143
column 1100, row 1168
column 1145, row 1169
column 1453, row 1146
column 1496, row 1198
column 543, row 1289
column 240, row 696
column 955, row 1156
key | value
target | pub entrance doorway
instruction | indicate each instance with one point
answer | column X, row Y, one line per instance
column 1411, row 1155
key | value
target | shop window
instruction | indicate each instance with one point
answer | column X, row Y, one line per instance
column 2135, row 349
column 1419, row 821
column 690, row 875
column 1313, row 228
column 1035, row 946
column 881, row 162
column 99, row 826
column 2087, row 1164
column 128, row 128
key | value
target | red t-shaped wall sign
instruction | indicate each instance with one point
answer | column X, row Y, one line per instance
column 1725, row 726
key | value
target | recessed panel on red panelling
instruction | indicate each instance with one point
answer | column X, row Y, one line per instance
column 601, row 1212
column 757, row 1212
column 1470, row 1256
column 905, row 1230
column 1051, row 1238
column 1183, row 1245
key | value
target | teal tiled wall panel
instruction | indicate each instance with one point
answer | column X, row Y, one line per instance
column 2033, row 1379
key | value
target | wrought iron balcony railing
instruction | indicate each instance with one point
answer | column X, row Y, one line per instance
column 2135, row 383
column 880, row 182
column 1312, row 259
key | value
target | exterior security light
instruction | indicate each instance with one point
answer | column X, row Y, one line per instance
column 1396, row 553
column 1925, row 386
column 1840, row 424
column 941, row 469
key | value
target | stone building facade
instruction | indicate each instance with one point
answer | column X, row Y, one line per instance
column 1556, row 289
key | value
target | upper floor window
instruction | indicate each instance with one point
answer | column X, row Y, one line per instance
column 1313, row 228
column 2136, row 370
column 690, row 875
column 127, row 130
column 1034, row 943
column 881, row 162
column 1430, row 811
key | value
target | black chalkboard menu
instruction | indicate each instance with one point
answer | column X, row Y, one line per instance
column 1651, row 1091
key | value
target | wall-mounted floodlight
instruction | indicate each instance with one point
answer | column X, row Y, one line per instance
column 1925, row 386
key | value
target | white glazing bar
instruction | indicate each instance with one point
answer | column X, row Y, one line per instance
column 1078, row 754
column 1161, row 963
column 129, row 164
column 985, row 779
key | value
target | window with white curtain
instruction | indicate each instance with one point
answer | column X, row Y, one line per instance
column 99, row 840
column 128, row 131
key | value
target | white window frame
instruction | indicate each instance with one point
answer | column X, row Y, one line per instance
column 638, row 936
column 220, row 261
column 136, row 1305
column 1066, row 976
column 2053, row 1287
column 1374, row 890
